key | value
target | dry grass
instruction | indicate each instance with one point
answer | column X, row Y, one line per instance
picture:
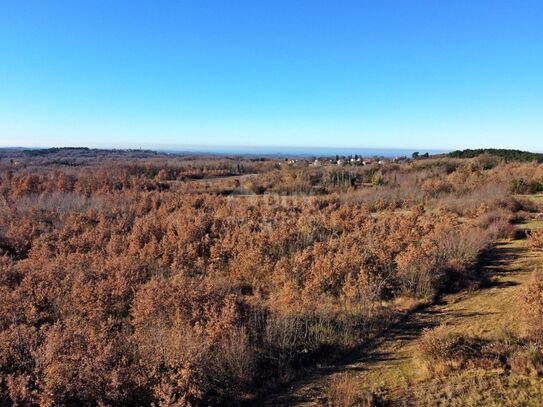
column 474, row 388
column 527, row 361
column 442, row 351
column 344, row 391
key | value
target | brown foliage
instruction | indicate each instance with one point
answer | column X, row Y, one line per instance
column 441, row 350
column 137, row 281
column 532, row 301
column 535, row 240
column 343, row 391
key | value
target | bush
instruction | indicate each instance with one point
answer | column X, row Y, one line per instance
column 532, row 302
column 521, row 186
column 498, row 223
column 535, row 240
column 441, row 351
column 527, row 361
column 343, row 391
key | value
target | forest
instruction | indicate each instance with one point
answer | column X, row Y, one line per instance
column 141, row 278
column 507, row 154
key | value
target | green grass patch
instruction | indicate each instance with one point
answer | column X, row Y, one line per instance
column 533, row 224
column 534, row 197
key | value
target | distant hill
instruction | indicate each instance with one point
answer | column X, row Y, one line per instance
column 73, row 152
column 509, row 155
column 53, row 150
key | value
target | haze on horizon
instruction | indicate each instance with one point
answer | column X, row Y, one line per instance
column 390, row 74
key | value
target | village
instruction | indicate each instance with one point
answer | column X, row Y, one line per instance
column 353, row 160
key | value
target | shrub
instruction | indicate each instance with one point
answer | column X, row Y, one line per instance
column 441, row 350
column 432, row 188
column 527, row 361
column 521, row 186
column 344, row 391
column 498, row 223
column 532, row 302
column 535, row 239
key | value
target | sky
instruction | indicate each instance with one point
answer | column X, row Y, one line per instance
column 375, row 74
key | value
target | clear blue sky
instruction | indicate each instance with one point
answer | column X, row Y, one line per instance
column 400, row 74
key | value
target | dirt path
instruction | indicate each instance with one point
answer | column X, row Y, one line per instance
column 390, row 363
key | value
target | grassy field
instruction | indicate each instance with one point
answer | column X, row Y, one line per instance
column 535, row 197
column 533, row 224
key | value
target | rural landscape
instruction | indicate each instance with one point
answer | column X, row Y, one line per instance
column 309, row 203
column 144, row 278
